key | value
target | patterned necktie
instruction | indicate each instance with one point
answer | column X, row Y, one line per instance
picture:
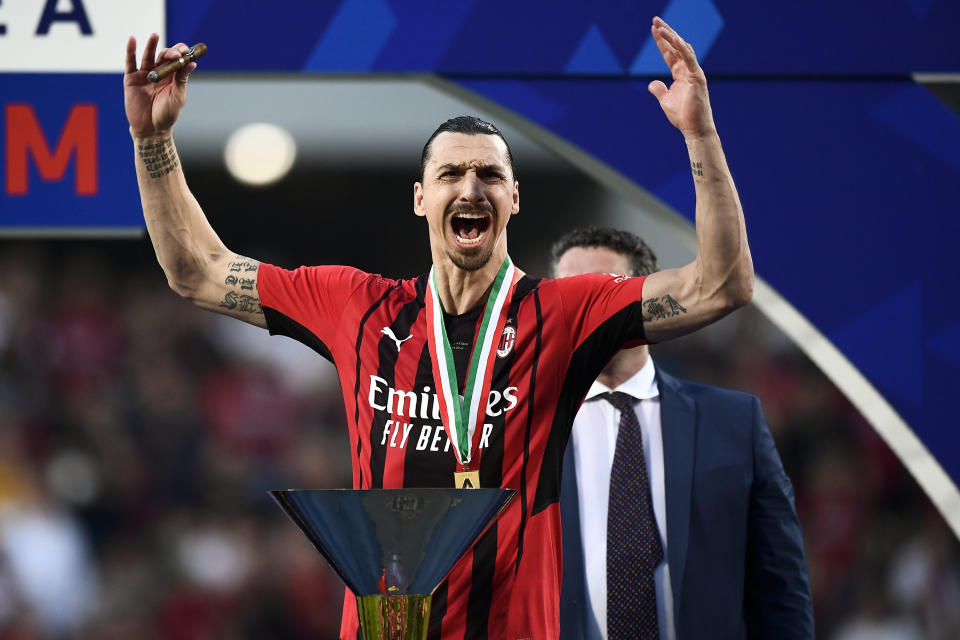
column 633, row 541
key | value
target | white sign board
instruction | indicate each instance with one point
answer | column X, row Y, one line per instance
column 58, row 36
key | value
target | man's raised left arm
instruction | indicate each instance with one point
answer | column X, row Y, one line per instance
column 720, row 279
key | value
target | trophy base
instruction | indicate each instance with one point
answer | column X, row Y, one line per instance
column 393, row 617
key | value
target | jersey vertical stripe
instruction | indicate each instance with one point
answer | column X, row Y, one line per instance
column 481, row 584
column 358, row 469
column 438, row 609
column 531, row 390
column 397, row 349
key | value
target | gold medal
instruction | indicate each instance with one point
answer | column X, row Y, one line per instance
column 466, row 479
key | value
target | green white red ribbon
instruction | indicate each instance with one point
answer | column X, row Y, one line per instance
column 461, row 416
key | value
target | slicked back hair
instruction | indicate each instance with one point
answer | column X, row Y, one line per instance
column 470, row 125
column 643, row 261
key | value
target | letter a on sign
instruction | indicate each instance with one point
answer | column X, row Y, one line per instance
column 466, row 480
column 77, row 15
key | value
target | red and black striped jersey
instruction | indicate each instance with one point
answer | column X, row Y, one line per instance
column 559, row 335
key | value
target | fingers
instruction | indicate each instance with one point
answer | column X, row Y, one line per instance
column 666, row 50
column 672, row 46
column 184, row 74
column 152, row 58
column 149, row 52
column 667, row 32
column 171, row 53
column 130, row 64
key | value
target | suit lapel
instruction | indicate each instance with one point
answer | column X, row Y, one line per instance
column 678, row 416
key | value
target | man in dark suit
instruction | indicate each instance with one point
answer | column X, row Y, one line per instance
column 723, row 556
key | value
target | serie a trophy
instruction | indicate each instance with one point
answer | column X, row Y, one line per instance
column 393, row 547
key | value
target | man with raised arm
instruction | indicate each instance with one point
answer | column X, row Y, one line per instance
column 520, row 351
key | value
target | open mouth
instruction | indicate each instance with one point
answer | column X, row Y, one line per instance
column 469, row 228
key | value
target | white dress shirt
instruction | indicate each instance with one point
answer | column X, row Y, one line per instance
column 595, row 440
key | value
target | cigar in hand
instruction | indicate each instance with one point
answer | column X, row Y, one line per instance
column 195, row 52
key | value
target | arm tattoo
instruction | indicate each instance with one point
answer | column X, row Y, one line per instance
column 243, row 266
column 660, row 308
column 697, row 168
column 242, row 302
column 235, row 299
column 159, row 158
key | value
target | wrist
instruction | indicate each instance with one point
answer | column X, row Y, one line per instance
column 144, row 137
column 699, row 136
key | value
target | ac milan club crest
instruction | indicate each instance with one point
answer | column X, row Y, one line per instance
column 507, row 338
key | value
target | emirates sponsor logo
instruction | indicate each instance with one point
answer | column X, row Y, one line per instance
column 426, row 405
column 419, row 424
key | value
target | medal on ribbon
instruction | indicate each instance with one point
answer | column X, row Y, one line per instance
column 462, row 414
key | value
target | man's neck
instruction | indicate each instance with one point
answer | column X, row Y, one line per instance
column 623, row 366
column 461, row 290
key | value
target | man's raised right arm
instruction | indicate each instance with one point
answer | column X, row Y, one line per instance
column 197, row 264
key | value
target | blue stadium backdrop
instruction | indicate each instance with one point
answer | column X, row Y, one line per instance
column 852, row 167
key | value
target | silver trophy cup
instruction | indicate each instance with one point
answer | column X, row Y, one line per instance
column 393, row 547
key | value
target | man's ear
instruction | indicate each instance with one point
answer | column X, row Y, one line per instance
column 516, row 199
column 418, row 199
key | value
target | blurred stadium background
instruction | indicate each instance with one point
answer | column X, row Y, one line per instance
column 139, row 436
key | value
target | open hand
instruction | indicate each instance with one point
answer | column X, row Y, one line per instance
column 153, row 107
column 686, row 103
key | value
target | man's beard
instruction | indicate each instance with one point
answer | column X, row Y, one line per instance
column 473, row 262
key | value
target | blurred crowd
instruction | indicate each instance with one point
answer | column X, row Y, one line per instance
column 139, row 437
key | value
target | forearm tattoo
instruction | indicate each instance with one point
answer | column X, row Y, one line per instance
column 159, row 158
column 697, row 168
column 242, row 278
column 662, row 307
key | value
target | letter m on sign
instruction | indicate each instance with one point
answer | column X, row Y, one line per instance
column 78, row 140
